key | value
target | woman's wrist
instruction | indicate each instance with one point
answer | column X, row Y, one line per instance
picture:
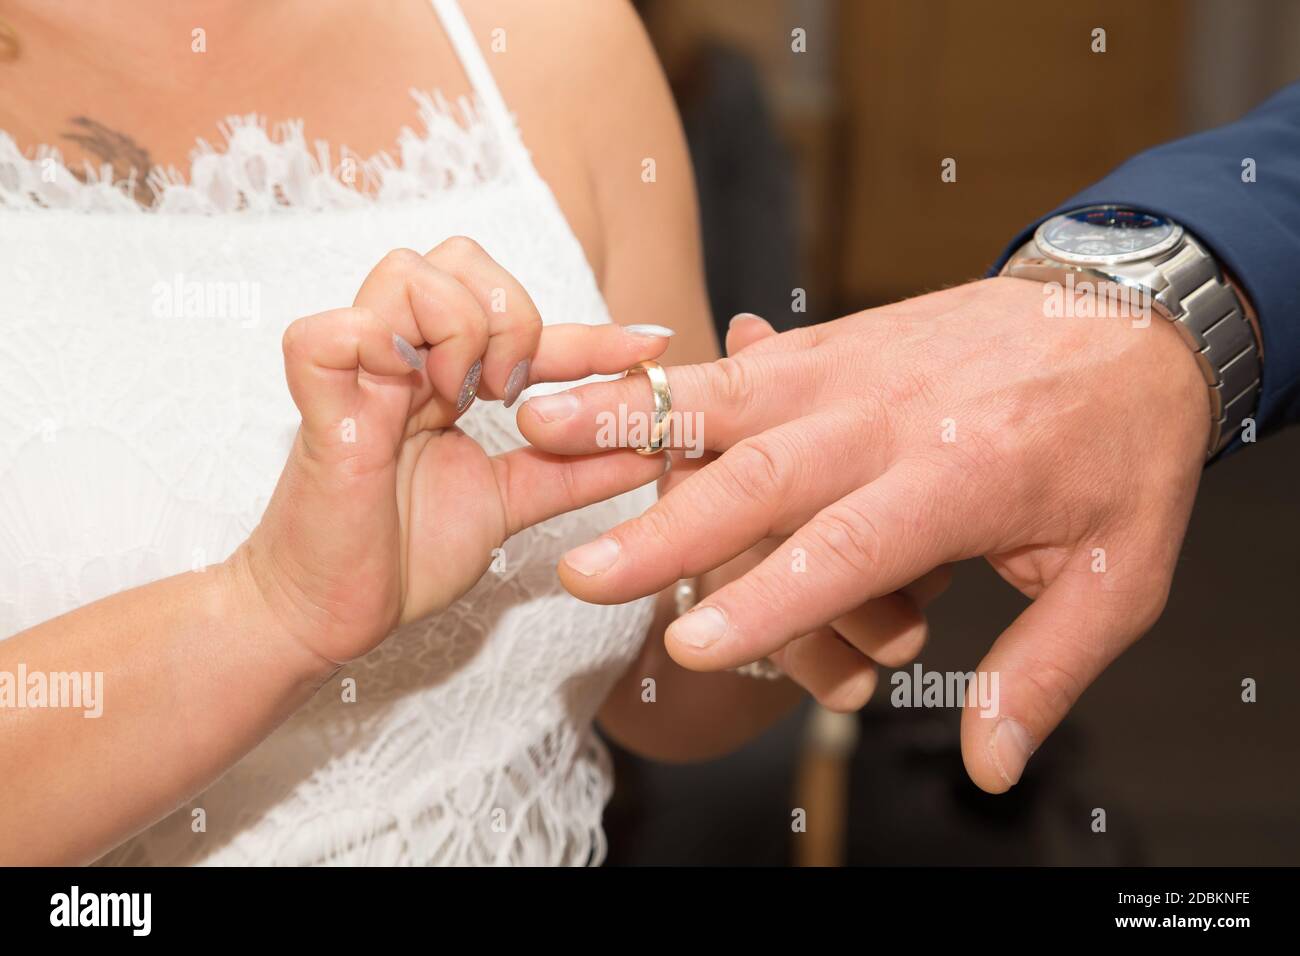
column 244, row 597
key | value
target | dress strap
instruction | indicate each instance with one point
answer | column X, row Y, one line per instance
column 476, row 68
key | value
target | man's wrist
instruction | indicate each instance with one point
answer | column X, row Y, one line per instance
column 1123, row 260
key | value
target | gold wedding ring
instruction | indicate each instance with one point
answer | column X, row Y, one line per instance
column 663, row 395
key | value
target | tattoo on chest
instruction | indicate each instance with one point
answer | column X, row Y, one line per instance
column 117, row 149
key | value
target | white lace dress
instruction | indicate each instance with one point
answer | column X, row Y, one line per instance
column 144, row 420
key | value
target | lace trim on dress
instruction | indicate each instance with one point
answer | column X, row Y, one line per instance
column 265, row 169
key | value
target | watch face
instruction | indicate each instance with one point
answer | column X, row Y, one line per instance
column 1107, row 234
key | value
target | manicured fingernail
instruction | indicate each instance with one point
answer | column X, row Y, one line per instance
column 743, row 315
column 407, row 351
column 553, row 408
column 516, row 383
column 593, row 558
column 655, row 331
column 700, row 628
column 470, row 388
column 1010, row 747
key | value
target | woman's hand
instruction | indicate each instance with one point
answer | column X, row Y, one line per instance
column 385, row 512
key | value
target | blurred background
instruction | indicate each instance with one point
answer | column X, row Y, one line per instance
column 819, row 171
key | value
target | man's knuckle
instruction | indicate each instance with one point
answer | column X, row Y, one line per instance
column 772, row 593
column 1056, row 686
column 756, row 470
column 657, row 528
column 731, row 383
column 849, row 535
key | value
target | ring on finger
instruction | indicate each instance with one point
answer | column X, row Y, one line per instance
column 663, row 397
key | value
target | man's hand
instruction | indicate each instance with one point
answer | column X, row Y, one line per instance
column 959, row 424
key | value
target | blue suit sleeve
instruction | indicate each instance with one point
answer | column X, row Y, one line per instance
column 1253, row 228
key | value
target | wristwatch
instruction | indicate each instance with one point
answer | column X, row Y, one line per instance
column 1154, row 263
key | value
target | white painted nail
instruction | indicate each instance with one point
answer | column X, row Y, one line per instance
column 655, row 331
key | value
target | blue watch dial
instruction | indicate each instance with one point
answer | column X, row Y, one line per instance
column 1107, row 233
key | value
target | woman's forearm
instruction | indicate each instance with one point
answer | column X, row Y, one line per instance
column 194, row 674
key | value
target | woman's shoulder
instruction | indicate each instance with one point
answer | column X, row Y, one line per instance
column 591, row 101
column 572, row 36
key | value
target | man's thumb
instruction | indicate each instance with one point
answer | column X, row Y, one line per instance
column 1036, row 671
